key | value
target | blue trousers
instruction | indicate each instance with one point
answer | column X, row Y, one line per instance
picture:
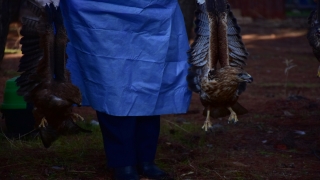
column 129, row 140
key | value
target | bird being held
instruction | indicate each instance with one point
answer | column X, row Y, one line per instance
column 218, row 40
column 45, row 81
column 314, row 33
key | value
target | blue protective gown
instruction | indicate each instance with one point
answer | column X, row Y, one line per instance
column 128, row 57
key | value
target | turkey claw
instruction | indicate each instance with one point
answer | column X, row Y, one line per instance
column 207, row 125
column 76, row 117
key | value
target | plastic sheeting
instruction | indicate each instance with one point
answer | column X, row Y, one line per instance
column 128, row 57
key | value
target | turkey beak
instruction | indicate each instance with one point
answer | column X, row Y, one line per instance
column 247, row 78
column 250, row 80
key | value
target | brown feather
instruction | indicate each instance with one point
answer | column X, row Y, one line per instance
column 50, row 91
column 218, row 112
column 219, row 89
column 213, row 41
column 223, row 40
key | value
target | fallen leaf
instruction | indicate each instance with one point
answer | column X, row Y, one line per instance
column 240, row 164
column 287, row 113
column 189, row 173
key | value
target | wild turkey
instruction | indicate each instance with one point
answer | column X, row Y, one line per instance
column 218, row 40
column 314, row 33
column 45, row 81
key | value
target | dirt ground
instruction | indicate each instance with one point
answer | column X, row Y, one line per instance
column 280, row 136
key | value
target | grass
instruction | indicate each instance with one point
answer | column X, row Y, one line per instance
column 184, row 150
column 82, row 156
column 300, row 13
column 67, row 157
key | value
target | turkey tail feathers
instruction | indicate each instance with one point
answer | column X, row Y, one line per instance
column 198, row 53
column 204, row 50
column 32, row 53
column 34, row 7
column 237, row 50
column 199, row 49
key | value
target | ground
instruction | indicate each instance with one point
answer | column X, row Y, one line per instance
column 278, row 139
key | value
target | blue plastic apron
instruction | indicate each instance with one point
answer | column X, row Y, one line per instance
column 128, row 57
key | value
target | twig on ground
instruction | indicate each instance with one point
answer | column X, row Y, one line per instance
column 218, row 174
column 72, row 171
column 27, row 133
column 177, row 126
column 289, row 65
column 8, row 139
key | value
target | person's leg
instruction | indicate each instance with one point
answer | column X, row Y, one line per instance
column 119, row 144
column 148, row 129
column 118, row 137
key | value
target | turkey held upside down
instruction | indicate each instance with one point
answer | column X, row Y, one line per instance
column 45, row 81
column 218, row 40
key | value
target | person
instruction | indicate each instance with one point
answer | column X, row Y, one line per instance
column 129, row 59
